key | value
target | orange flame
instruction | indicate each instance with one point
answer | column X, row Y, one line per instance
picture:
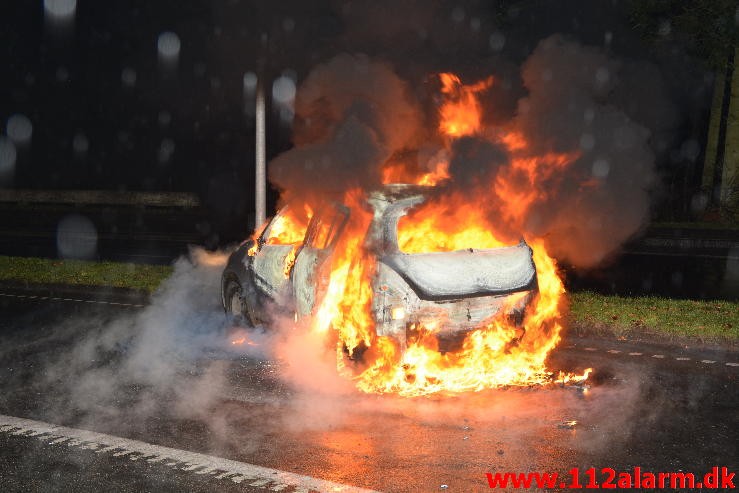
column 288, row 229
column 243, row 340
column 498, row 353
column 461, row 113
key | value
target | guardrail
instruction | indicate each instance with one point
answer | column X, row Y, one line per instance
column 101, row 197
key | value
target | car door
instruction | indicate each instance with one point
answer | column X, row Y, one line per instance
column 310, row 274
column 269, row 263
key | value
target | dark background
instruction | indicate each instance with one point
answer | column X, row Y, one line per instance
column 188, row 127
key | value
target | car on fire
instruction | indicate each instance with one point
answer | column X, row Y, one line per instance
column 455, row 291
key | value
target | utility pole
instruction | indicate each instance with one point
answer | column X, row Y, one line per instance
column 260, row 182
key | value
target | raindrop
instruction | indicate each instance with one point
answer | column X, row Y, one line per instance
column 166, row 149
column 475, row 23
column 128, row 77
column 62, row 74
column 168, row 46
column 587, row 142
column 8, row 155
column 589, row 115
column 690, row 150
column 283, row 90
column 60, row 8
column 20, row 129
column 699, row 203
column 624, row 138
column 497, row 41
column 601, row 168
column 80, row 144
column 458, row 14
column 665, row 28
column 165, row 118
column 250, row 83
column 677, row 279
column 547, row 75
column 76, row 237
column 602, row 75
column 608, row 38
column 288, row 24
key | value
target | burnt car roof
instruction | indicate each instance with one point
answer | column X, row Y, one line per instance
column 394, row 192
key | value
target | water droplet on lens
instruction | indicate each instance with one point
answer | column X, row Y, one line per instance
column 283, row 90
column 587, row 142
column 60, row 8
column 458, row 14
column 80, row 144
column 601, row 168
column 76, row 237
column 20, row 129
column 497, row 41
column 128, row 77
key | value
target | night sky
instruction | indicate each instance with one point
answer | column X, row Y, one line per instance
column 108, row 111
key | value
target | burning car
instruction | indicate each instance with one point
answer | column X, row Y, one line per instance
column 287, row 267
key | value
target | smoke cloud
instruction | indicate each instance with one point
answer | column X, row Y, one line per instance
column 603, row 198
column 356, row 116
column 352, row 115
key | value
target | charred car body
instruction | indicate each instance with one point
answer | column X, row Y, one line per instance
column 453, row 292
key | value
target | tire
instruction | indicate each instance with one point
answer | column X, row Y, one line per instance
column 233, row 299
column 237, row 302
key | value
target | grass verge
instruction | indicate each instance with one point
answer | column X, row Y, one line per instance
column 670, row 319
column 83, row 273
column 590, row 313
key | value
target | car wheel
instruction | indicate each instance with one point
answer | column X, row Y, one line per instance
column 238, row 301
column 233, row 299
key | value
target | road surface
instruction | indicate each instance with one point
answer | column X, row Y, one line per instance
column 85, row 408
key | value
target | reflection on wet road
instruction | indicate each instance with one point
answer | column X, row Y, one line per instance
column 662, row 414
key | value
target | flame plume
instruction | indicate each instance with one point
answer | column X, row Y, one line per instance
column 498, row 353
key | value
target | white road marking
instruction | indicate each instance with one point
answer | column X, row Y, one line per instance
column 659, row 356
column 237, row 472
column 54, row 298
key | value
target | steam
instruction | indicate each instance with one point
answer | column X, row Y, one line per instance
column 169, row 357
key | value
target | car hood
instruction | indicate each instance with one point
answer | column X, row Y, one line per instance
column 466, row 273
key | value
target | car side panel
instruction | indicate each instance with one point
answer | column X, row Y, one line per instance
column 304, row 279
column 269, row 269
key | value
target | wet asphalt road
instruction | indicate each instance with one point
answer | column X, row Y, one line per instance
column 660, row 408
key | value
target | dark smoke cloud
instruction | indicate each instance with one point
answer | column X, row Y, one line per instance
column 352, row 114
column 355, row 114
column 603, row 199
